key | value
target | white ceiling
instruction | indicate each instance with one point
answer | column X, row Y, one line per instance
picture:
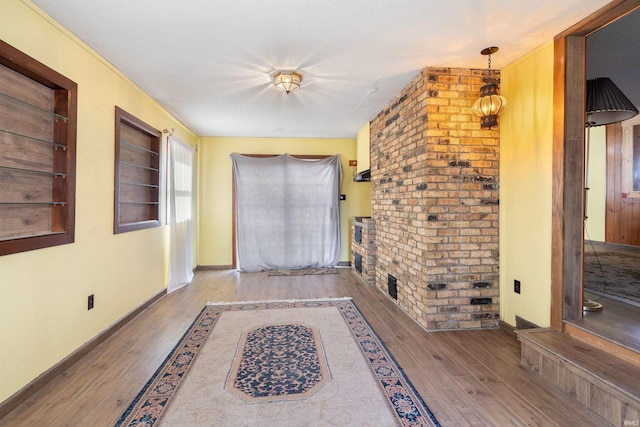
column 209, row 62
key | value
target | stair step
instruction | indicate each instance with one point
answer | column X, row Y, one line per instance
column 607, row 385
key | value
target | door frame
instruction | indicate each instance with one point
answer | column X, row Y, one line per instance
column 567, row 240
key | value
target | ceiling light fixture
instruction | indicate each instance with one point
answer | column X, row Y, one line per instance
column 490, row 104
column 287, row 81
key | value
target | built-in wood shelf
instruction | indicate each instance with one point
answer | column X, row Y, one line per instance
column 38, row 109
column 137, row 174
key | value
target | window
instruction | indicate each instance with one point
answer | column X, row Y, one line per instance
column 137, row 174
column 37, row 154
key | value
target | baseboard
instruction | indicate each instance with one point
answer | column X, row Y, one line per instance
column 52, row 373
column 522, row 323
column 214, row 267
column 230, row 267
column 507, row 328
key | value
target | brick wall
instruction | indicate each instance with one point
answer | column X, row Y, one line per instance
column 434, row 176
column 365, row 248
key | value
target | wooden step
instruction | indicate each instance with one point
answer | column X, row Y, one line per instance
column 607, row 385
column 623, row 348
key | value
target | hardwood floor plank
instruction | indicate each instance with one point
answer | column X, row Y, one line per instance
column 465, row 377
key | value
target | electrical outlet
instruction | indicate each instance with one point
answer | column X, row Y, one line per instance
column 90, row 302
column 353, row 163
column 343, row 197
column 516, row 286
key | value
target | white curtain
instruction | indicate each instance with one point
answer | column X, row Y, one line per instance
column 180, row 202
column 287, row 212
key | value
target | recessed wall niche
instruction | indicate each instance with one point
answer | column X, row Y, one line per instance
column 37, row 154
column 137, row 174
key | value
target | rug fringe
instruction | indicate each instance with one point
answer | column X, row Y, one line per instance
column 279, row 301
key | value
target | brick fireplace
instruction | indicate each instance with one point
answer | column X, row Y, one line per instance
column 363, row 249
column 435, row 202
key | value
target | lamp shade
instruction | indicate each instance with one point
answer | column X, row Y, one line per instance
column 606, row 103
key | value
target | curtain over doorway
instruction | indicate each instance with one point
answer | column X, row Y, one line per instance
column 180, row 202
column 287, row 212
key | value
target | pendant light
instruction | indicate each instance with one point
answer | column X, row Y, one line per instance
column 490, row 104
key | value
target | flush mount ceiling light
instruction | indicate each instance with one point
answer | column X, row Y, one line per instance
column 287, row 81
column 490, row 104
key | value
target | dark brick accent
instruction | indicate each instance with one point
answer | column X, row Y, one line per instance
column 432, row 218
column 392, row 119
column 481, row 301
column 481, row 284
column 437, row 286
column 479, row 316
column 460, row 163
column 421, row 187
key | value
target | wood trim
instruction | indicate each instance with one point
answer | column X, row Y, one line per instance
column 58, row 369
column 615, row 350
column 234, row 224
column 65, row 104
column 123, row 118
column 507, row 328
column 214, row 267
column 568, row 161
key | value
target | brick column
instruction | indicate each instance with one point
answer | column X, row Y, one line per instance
column 435, row 201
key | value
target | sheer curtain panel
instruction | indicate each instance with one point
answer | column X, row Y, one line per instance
column 287, row 212
column 180, row 214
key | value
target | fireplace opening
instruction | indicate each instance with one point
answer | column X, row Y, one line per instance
column 358, row 234
column 358, row 260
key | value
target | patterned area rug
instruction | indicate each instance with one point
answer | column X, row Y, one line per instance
column 303, row 272
column 280, row 363
column 619, row 277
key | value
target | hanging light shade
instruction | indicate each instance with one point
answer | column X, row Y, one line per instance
column 490, row 104
column 287, row 81
column 606, row 103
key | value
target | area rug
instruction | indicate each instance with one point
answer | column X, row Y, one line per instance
column 303, row 272
column 279, row 363
column 613, row 274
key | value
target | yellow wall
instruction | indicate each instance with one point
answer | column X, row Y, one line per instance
column 43, row 293
column 364, row 144
column 526, row 139
column 215, row 181
column 597, row 195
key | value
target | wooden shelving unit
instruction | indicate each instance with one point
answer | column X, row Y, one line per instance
column 37, row 154
column 137, row 174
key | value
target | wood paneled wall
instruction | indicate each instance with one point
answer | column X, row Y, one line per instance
column 623, row 213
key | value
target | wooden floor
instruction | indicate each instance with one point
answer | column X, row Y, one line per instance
column 465, row 377
column 618, row 322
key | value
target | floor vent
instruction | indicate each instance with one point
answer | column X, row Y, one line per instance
column 392, row 283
